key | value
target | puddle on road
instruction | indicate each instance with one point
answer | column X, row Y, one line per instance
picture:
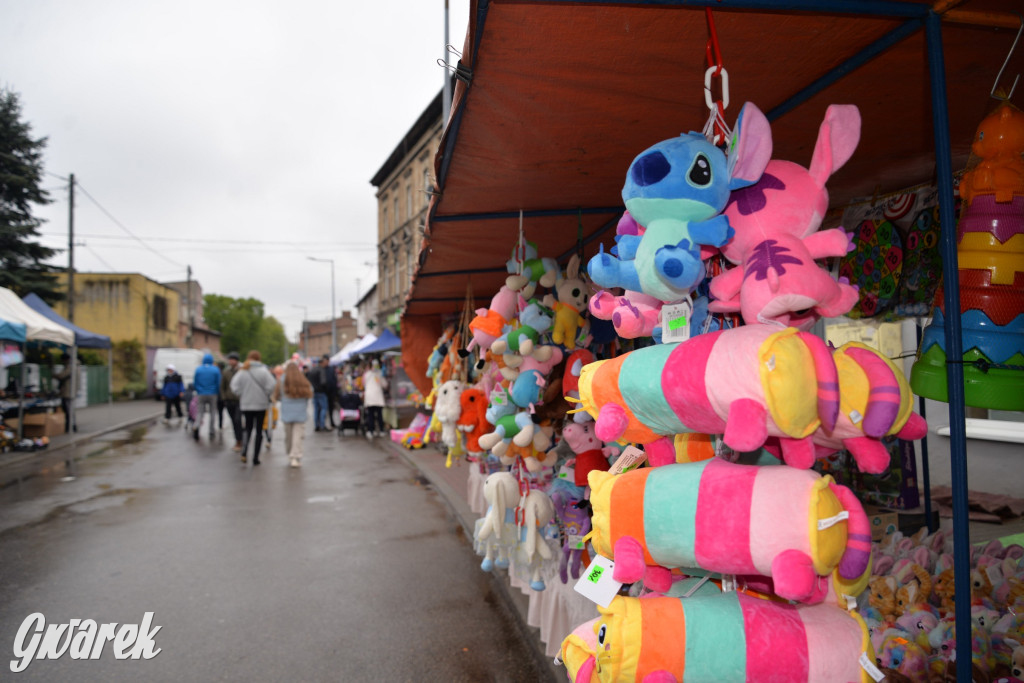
column 326, row 499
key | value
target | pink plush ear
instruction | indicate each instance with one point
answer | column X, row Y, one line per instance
column 751, row 147
column 746, row 428
column 837, row 138
column 884, row 396
column 661, row 452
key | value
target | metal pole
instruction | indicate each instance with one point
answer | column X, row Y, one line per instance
column 334, row 316
column 954, row 347
column 71, row 249
column 447, row 98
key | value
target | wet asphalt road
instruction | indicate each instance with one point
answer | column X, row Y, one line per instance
column 348, row 569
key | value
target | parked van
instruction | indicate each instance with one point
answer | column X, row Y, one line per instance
column 185, row 362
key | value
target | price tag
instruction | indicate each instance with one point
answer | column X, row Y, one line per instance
column 574, row 541
column 675, row 321
column 630, row 459
column 567, row 473
column 597, row 583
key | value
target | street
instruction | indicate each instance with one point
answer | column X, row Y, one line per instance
column 348, row 569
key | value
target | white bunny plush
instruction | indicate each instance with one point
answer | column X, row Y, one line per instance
column 495, row 532
column 447, row 409
column 533, row 549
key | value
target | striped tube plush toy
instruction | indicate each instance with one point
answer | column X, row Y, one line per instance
column 751, row 383
column 718, row 638
column 794, row 526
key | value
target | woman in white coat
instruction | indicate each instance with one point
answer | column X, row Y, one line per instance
column 254, row 384
column 374, row 384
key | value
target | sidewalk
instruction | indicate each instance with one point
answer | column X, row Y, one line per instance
column 93, row 421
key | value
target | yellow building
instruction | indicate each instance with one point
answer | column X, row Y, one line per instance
column 126, row 307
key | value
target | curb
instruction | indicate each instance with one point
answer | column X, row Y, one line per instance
column 516, row 603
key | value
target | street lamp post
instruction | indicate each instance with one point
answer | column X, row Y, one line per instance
column 334, row 319
column 305, row 336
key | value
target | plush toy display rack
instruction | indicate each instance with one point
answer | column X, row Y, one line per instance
column 912, row 18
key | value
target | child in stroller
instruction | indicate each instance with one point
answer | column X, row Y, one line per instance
column 350, row 414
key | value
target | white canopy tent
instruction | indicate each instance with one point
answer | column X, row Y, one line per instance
column 352, row 348
column 37, row 326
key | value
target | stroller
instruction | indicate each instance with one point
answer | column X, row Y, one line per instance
column 191, row 400
column 350, row 414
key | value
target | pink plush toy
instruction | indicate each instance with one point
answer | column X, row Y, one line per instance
column 776, row 241
column 489, row 322
column 750, row 383
column 591, row 454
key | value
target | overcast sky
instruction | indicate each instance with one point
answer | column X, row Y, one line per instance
column 238, row 137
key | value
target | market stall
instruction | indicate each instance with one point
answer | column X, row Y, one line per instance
column 554, row 100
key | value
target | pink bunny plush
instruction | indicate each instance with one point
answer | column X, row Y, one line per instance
column 777, row 239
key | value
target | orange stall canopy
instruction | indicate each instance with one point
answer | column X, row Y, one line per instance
column 556, row 98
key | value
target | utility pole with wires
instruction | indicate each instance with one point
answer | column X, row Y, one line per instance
column 71, row 248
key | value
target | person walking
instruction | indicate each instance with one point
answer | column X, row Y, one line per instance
column 65, row 387
column 207, row 385
column 331, row 389
column 172, row 392
column 374, row 384
column 231, row 399
column 254, row 385
column 220, row 397
column 293, row 390
column 317, row 377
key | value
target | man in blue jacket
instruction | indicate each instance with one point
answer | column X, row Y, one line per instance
column 172, row 392
column 207, row 384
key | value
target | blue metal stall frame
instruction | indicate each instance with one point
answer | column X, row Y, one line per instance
column 916, row 16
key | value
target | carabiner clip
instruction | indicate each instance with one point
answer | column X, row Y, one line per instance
column 707, row 87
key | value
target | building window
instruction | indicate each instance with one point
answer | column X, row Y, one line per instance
column 408, row 200
column 397, row 222
column 159, row 312
column 384, row 220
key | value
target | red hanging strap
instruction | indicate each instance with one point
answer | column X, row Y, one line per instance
column 716, row 69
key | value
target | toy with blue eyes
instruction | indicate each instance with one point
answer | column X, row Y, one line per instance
column 677, row 190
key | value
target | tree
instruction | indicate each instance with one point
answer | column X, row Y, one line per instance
column 272, row 342
column 237, row 320
column 21, row 168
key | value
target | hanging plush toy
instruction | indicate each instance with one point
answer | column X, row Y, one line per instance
column 574, row 518
column 495, row 533
column 528, row 270
column 676, row 190
column 590, row 453
column 572, row 302
column 749, row 383
column 447, row 410
column 777, row 240
column 511, row 425
column 571, row 380
column 792, row 525
column 472, row 421
column 726, row 638
column 534, row 320
column 533, row 550
column 489, row 323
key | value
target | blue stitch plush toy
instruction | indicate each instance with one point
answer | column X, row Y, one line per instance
column 676, row 190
